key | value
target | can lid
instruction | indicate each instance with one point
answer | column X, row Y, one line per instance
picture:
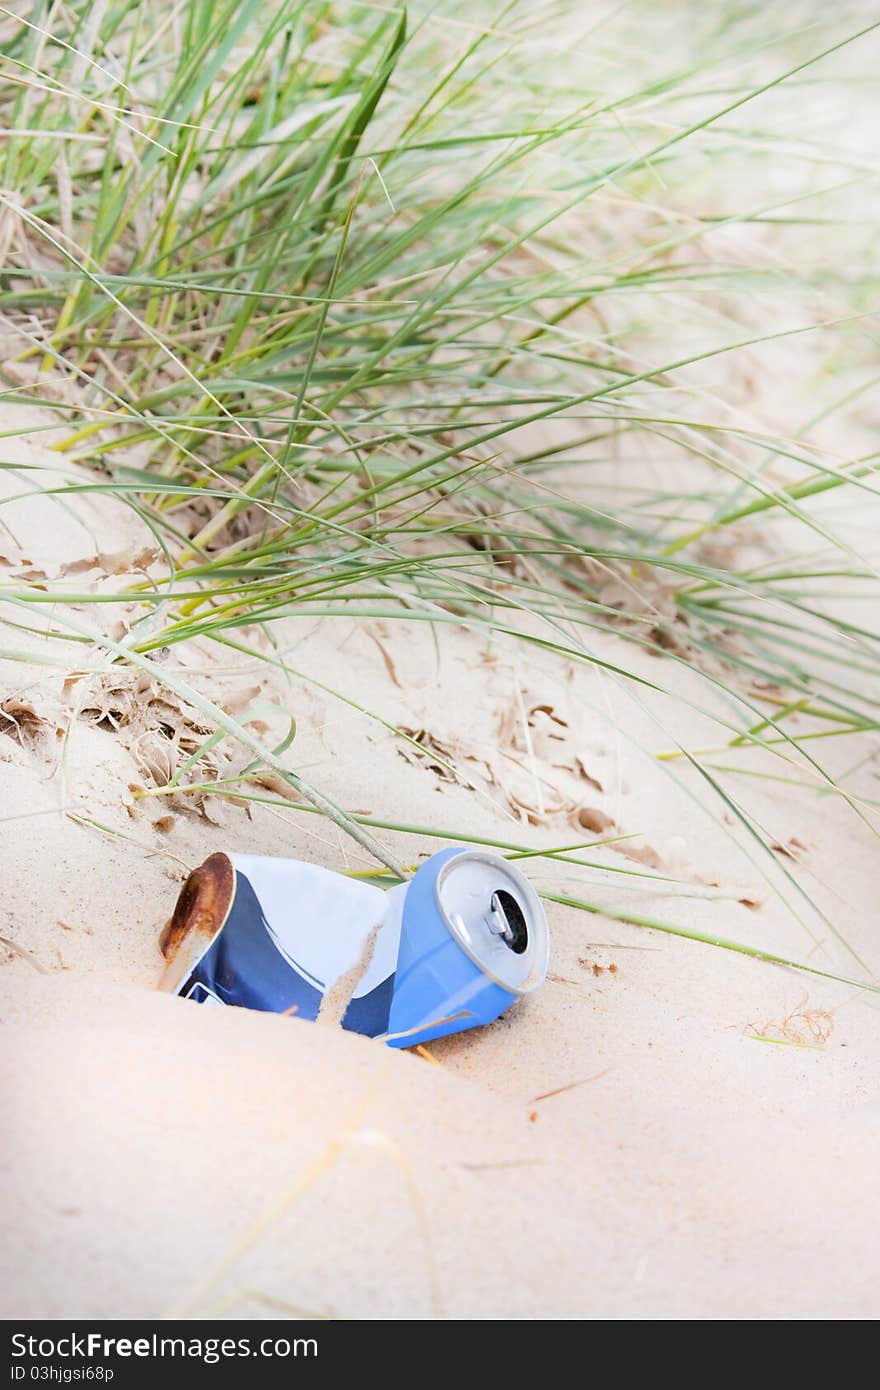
column 497, row 918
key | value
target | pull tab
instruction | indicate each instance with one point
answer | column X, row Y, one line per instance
column 507, row 920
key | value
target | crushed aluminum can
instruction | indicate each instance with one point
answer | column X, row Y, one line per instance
column 449, row 950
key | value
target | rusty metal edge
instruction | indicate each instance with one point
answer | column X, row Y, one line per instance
column 201, row 910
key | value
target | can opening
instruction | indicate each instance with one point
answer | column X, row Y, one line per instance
column 513, row 930
column 495, row 916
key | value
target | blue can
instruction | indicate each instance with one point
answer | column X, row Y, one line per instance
column 449, row 950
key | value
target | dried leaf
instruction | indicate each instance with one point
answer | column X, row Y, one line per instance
column 581, row 768
column 534, row 814
column 668, row 640
column 71, row 680
column 440, row 757
column 550, row 713
column 21, row 720
column 240, row 700
column 783, row 849
column 274, row 782
column 386, row 658
column 591, row 818
column 507, row 721
column 156, row 754
column 641, row 854
column 114, row 562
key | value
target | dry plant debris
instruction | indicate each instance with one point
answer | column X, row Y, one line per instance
column 804, row 1026
column 160, row 730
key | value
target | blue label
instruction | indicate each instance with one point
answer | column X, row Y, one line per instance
column 243, row 967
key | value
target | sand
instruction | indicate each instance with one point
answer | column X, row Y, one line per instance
column 666, row 1129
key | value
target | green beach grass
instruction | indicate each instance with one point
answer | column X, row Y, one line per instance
column 368, row 311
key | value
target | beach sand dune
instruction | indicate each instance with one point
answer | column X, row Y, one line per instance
column 666, row 1129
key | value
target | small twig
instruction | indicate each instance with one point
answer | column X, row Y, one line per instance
column 570, row 1087
column 20, row 951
